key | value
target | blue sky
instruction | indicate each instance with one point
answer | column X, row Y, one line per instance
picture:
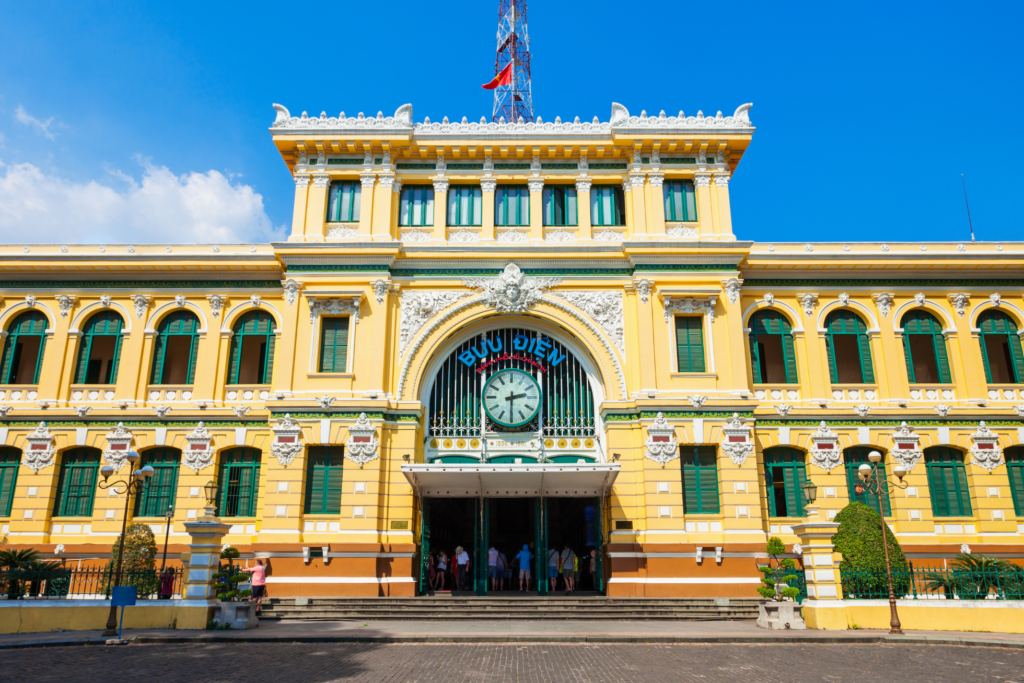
column 148, row 122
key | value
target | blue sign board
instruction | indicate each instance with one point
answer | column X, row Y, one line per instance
column 124, row 596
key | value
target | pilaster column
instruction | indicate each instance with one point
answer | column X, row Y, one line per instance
column 536, row 186
column 723, row 224
column 656, row 226
column 441, row 209
column 396, row 202
column 299, row 212
column 382, row 208
column 586, row 230
column 487, row 187
column 316, row 207
column 366, row 206
column 636, row 182
column 702, row 186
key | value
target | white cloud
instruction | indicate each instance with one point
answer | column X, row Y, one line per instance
column 41, row 127
column 160, row 207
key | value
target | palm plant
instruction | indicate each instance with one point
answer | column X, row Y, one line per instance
column 973, row 577
column 13, row 561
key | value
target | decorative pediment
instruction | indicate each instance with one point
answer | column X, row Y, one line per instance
column 701, row 305
column 334, row 306
column 119, row 445
column 362, row 445
column 661, row 445
column 737, row 444
column 512, row 291
column 41, row 449
column 985, row 449
column 604, row 308
column 418, row 308
column 826, row 453
column 907, row 449
column 287, row 441
column 199, row 454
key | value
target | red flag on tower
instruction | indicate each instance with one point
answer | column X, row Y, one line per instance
column 504, row 77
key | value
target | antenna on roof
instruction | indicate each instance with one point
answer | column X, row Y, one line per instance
column 968, row 206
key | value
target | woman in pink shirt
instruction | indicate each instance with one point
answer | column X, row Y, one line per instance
column 259, row 583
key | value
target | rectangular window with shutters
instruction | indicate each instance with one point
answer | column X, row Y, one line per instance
column 238, row 483
column 10, row 458
column 343, row 206
column 947, row 479
column 334, row 344
column 680, row 201
column 607, row 206
column 559, row 206
column 1015, row 469
column 465, row 205
column 158, row 493
column 324, row 470
column 785, row 474
column 689, row 344
column 700, row 479
column 76, row 485
column 416, row 206
column 512, row 206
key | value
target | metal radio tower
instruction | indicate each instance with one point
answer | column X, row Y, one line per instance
column 515, row 100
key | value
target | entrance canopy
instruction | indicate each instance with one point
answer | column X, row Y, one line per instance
column 511, row 481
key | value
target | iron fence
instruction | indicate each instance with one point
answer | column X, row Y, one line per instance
column 946, row 583
column 64, row 583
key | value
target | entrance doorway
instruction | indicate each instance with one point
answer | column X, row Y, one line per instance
column 447, row 524
column 576, row 523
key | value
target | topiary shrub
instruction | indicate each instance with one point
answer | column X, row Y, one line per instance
column 775, row 578
column 859, row 539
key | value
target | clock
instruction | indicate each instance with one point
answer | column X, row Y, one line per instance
column 511, row 397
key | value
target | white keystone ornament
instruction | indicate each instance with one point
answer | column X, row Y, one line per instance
column 661, row 445
column 985, row 448
column 287, row 441
column 738, row 445
column 362, row 445
column 907, row 451
column 511, row 291
column 41, row 449
column 119, row 444
column 199, row 454
column 826, row 453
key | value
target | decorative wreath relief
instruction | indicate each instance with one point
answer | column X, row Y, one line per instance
column 907, row 452
column 738, row 445
column 362, row 444
column 661, row 445
column 199, row 454
column 985, row 448
column 41, row 449
column 826, row 453
column 287, row 443
column 119, row 444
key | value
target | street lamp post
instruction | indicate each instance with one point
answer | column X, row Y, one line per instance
column 136, row 480
column 878, row 486
column 168, row 518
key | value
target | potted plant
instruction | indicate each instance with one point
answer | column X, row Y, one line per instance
column 236, row 611
column 779, row 610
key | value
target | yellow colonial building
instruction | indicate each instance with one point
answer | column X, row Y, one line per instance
column 502, row 333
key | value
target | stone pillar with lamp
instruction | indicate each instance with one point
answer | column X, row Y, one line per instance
column 820, row 564
column 199, row 600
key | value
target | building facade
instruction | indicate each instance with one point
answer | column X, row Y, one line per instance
column 507, row 333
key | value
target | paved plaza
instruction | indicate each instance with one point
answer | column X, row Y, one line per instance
column 646, row 663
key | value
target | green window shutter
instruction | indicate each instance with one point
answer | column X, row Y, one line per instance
column 157, row 375
column 789, row 354
column 941, row 358
column 84, row 347
column 223, row 479
column 316, row 471
column 963, row 494
column 334, row 344
column 908, row 357
column 332, row 504
column 793, row 476
column 268, row 368
column 235, row 356
column 689, row 344
column 707, row 469
column 193, row 356
column 327, row 343
column 1016, row 355
column 690, row 480
column 755, row 358
column 117, row 358
column 867, row 372
column 1015, row 469
column 245, row 491
column 9, row 461
column 939, row 493
column 830, row 350
column 5, row 364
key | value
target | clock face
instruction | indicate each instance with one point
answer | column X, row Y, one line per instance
column 511, row 397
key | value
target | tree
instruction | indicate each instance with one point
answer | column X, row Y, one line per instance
column 859, row 539
column 139, row 567
column 778, row 576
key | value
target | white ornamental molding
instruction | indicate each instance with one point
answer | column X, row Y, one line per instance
column 661, row 445
column 560, row 235
column 959, row 301
column 413, row 235
column 241, row 411
column 704, row 306
column 609, row 235
column 65, row 302
column 418, row 308
column 1019, row 409
column 513, row 236
column 732, row 288
column 287, row 441
column 844, row 300
column 321, row 180
column 440, row 185
column 302, row 181
column 345, row 232
column 604, row 308
column 488, row 184
column 362, row 445
column 965, row 549
column 5, row 410
column 583, row 184
column 105, row 300
column 41, row 449
column 696, row 400
column 334, row 306
column 985, row 448
column 141, row 302
column 119, row 444
column 511, row 291
column 291, row 290
column 180, row 300
column 942, row 409
column 366, row 180
column 30, row 301
column 783, row 410
column 920, row 298
column 702, row 179
column 464, row 235
column 737, row 445
column 826, row 453
column 657, row 179
column 199, row 454
column 995, row 298
column 682, row 231
column 907, row 451
column 862, row 410
column 161, row 411
column 255, row 300
column 769, row 299
column 808, row 301
column 380, row 290
column 82, row 411
column 884, row 302
column 217, row 303
column 535, row 184
column 325, row 401
column 643, row 289
column 602, row 336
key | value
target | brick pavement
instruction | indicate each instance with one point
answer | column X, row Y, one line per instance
column 644, row 663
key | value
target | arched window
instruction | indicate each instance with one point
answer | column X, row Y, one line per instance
column 23, row 350
column 1015, row 468
column 239, row 482
column 785, row 474
column 176, row 349
column 10, row 458
column 158, row 493
column 252, row 349
column 771, row 349
column 1000, row 348
column 853, row 458
column 99, row 349
column 849, row 355
column 947, row 479
column 76, row 485
column 925, row 349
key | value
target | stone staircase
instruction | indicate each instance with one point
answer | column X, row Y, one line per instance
column 527, row 608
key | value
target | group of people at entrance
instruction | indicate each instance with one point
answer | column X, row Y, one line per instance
column 563, row 569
